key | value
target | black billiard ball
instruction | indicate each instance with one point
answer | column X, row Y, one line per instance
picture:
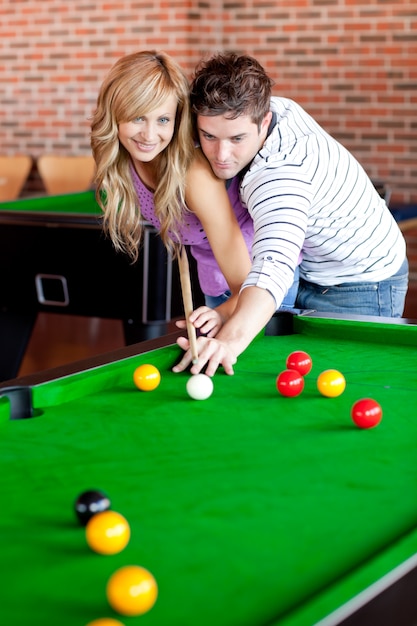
column 89, row 503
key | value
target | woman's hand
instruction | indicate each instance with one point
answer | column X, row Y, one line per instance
column 207, row 321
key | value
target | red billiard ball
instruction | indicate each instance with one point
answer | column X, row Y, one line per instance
column 366, row 413
column 300, row 361
column 290, row 383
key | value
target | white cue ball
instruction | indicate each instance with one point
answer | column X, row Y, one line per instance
column 200, row 387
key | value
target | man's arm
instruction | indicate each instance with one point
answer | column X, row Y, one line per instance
column 254, row 309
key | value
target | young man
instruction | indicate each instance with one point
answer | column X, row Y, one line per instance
column 307, row 195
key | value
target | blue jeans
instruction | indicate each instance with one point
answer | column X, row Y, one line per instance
column 384, row 299
column 287, row 303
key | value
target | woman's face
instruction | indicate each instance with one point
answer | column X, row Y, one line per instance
column 147, row 136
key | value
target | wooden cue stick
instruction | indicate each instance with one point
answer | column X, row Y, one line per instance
column 187, row 301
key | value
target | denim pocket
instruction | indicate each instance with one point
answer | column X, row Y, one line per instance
column 398, row 295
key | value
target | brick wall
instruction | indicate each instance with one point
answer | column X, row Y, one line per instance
column 351, row 63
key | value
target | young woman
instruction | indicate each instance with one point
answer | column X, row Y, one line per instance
column 148, row 169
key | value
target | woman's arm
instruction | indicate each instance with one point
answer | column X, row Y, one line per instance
column 207, row 198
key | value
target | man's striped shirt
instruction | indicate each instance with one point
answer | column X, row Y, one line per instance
column 306, row 193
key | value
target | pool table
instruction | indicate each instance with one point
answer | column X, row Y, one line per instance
column 55, row 258
column 249, row 508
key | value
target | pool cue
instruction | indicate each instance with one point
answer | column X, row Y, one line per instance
column 187, row 301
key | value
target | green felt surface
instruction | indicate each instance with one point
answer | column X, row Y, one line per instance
column 71, row 203
column 248, row 508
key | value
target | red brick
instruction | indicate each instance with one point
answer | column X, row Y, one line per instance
column 352, row 64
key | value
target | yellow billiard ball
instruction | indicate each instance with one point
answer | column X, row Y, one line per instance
column 132, row 590
column 331, row 383
column 146, row 377
column 105, row 621
column 107, row 532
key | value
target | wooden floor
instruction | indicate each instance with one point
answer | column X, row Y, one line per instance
column 59, row 339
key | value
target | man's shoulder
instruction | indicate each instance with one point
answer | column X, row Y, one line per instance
column 279, row 104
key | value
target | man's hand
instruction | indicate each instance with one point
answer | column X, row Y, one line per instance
column 207, row 321
column 211, row 352
column 254, row 309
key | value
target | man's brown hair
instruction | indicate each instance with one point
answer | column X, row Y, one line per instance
column 232, row 85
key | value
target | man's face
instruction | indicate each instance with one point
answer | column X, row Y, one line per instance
column 228, row 144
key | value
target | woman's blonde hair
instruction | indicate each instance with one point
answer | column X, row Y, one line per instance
column 136, row 85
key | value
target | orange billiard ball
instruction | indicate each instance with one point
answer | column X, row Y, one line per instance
column 331, row 383
column 300, row 361
column 132, row 590
column 366, row 413
column 146, row 377
column 107, row 532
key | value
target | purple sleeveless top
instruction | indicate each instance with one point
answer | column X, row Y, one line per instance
column 212, row 281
